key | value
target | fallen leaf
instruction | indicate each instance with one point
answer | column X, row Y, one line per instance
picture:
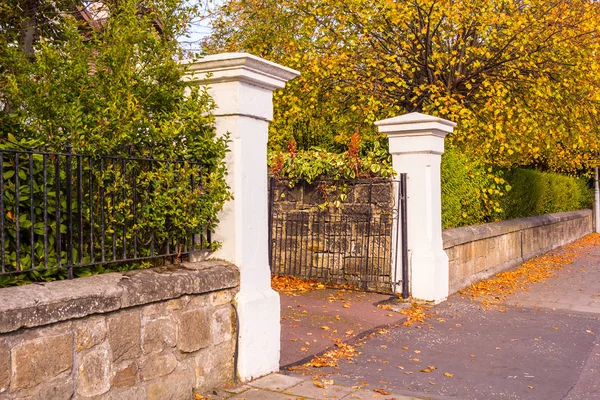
column 404, row 347
column 426, row 370
column 448, row 374
column 383, row 346
column 319, row 384
column 418, row 351
column 325, row 328
column 381, row 391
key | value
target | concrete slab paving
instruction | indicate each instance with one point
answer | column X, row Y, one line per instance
column 275, row 382
column 286, row 387
column 308, row 389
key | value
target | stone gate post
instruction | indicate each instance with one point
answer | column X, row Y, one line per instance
column 416, row 144
column 242, row 86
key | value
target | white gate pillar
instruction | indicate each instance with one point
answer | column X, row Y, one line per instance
column 416, row 144
column 242, row 87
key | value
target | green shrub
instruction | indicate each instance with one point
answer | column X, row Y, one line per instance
column 470, row 192
column 536, row 193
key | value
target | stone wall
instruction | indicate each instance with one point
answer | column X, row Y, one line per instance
column 349, row 243
column 480, row 251
column 151, row 334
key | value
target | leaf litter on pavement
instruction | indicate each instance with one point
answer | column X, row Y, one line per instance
column 495, row 290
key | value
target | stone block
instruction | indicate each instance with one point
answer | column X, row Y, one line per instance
column 4, row 367
column 58, row 389
column 125, row 376
column 36, row 361
column 93, row 372
column 177, row 386
column 158, row 334
column 213, row 366
column 90, row 332
column 162, row 308
column 157, row 365
column 328, row 261
column 297, row 224
column 124, row 335
column 134, row 393
column 194, row 330
column 221, row 298
column 221, row 325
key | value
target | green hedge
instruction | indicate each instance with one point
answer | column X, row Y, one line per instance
column 470, row 192
column 536, row 193
column 473, row 193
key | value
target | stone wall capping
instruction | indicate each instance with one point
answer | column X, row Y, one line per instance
column 480, row 251
column 46, row 303
column 457, row 236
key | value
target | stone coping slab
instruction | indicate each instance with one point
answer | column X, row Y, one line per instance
column 46, row 303
column 457, row 236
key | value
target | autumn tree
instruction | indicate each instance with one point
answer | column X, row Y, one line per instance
column 522, row 78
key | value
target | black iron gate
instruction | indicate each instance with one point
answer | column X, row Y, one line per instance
column 342, row 232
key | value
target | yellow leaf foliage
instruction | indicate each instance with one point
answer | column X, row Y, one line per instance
column 522, row 78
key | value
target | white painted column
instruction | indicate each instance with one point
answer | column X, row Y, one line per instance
column 242, row 86
column 416, row 144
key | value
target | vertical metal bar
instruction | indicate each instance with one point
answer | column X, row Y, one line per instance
column 270, row 211
column 57, row 239
column 91, row 179
column 124, row 195
column 114, row 211
column 80, row 207
column 288, row 245
column 134, row 188
column 334, row 267
column 31, row 212
column 2, row 213
column 152, row 239
column 403, row 217
column 69, row 200
column 311, row 230
column 297, row 266
column 102, row 216
column 17, row 216
column 45, row 207
column 379, row 245
column 368, row 231
column 168, row 233
column 304, row 244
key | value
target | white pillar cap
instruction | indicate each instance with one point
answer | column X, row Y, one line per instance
column 244, row 67
column 415, row 124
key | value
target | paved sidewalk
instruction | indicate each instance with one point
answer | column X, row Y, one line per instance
column 282, row 387
column 544, row 344
column 576, row 287
column 312, row 322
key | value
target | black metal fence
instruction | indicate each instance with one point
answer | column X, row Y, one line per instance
column 64, row 211
column 344, row 232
